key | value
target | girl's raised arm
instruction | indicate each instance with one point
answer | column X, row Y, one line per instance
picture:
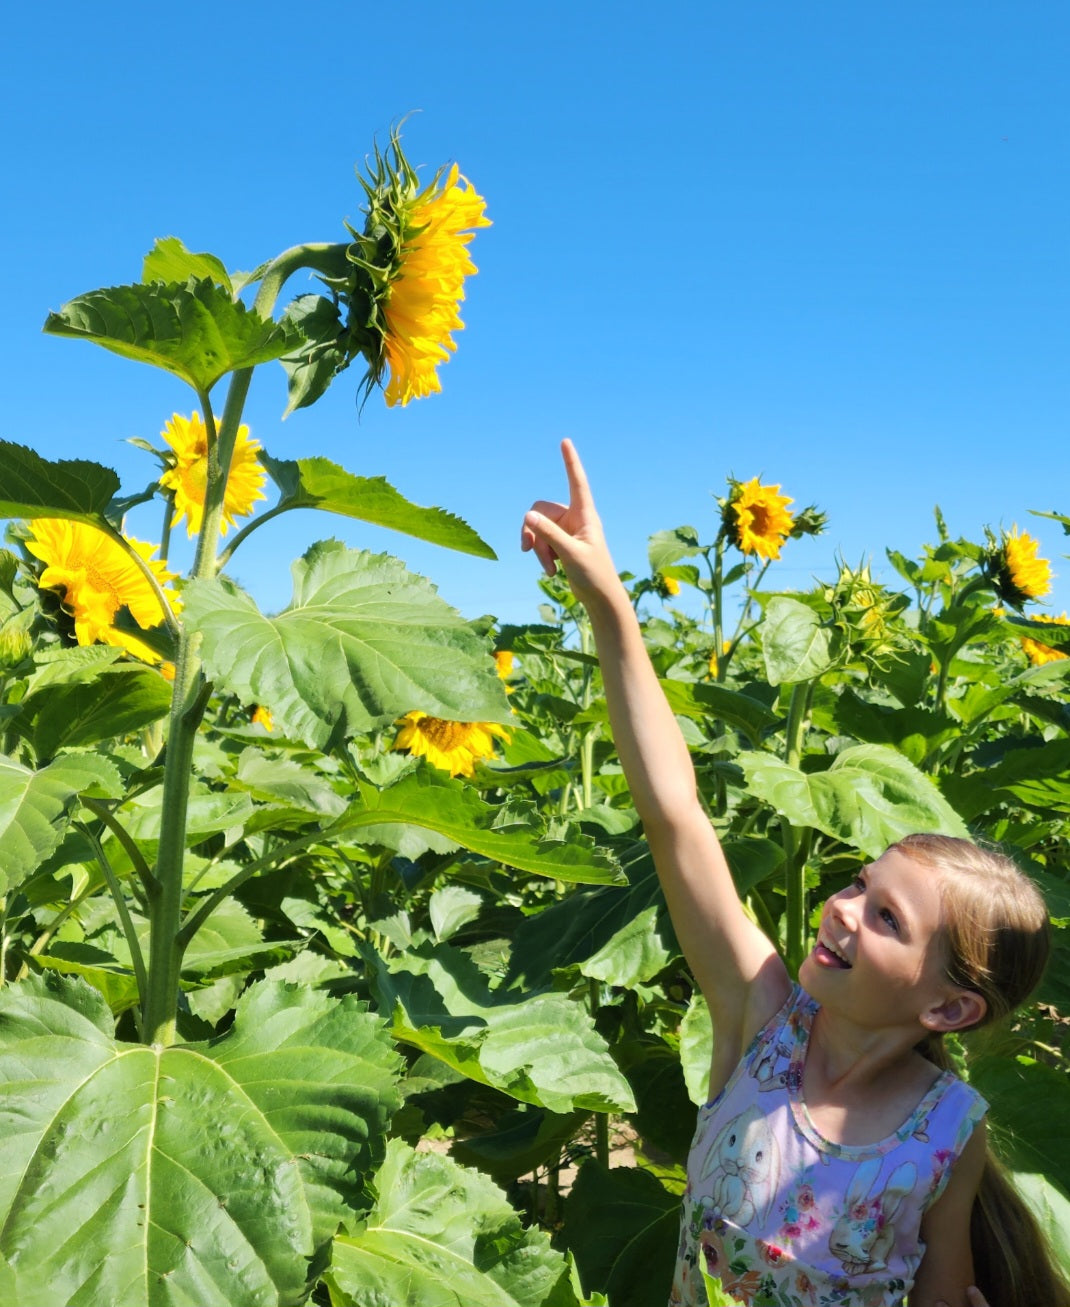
column 734, row 964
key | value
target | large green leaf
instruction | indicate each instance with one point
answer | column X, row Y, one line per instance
column 977, row 792
column 363, row 642
column 206, row 1174
column 35, row 807
column 432, row 801
column 194, row 329
column 869, row 798
column 1051, row 1207
column 319, row 483
column 322, row 354
column 795, row 644
column 32, row 486
column 1030, row 1114
column 443, row 1236
column 542, row 1049
column 169, row 260
column 705, row 701
column 122, row 699
column 622, row 1227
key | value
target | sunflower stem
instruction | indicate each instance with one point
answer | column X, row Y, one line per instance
column 794, row 852
column 247, row 530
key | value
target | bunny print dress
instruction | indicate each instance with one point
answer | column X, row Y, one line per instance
column 783, row 1217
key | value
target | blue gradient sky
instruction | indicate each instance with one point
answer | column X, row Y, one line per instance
column 822, row 243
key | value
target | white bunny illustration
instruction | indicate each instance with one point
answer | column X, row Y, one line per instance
column 864, row 1232
column 744, row 1163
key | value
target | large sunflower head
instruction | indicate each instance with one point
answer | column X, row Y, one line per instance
column 407, row 275
column 1015, row 570
column 187, row 475
column 97, row 577
column 1039, row 654
column 756, row 518
column 455, row 747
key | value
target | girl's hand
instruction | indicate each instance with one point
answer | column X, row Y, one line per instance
column 975, row 1297
column 571, row 532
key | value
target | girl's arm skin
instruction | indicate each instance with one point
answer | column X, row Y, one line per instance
column 733, row 963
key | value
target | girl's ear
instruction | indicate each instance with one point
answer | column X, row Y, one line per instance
column 963, row 1009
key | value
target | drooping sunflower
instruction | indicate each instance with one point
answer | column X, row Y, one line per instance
column 97, row 578
column 408, row 270
column 757, row 518
column 455, row 747
column 187, row 477
column 1039, row 654
column 1014, row 569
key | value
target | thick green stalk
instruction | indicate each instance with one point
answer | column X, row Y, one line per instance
column 794, row 859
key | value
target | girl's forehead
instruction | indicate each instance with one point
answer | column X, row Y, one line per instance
column 914, row 885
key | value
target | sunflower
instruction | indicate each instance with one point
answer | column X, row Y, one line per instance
column 97, row 578
column 504, row 662
column 1015, row 570
column 757, row 518
column 261, row 716
column 1039, row 654
column 187, row 476
column 422, row 301
column 669, row 584
column 452, row 746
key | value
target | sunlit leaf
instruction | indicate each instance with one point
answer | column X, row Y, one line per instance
column 170, row 261
column 795, row 645
column 32, row 486
column 363, row 642
column 121, row 700
column 35, row 807
column 869, row 798
column 319, row 483
column 193, row 330
column 197, row 1174
column 443, row 1236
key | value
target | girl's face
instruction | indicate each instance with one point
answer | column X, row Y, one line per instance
column 879, row 955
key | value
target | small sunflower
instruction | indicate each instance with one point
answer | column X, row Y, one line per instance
column 504, row 662
column 187, row 477
column 97, row 578
column 1015, row 570
column 455, row 747
column 1039, row 654
column 669, row 584
column 261, row 716
column 757, row 518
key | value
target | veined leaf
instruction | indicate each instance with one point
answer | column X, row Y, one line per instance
column 667, row 547
column 869, row 798
column 35, row 807
column 32, row 486
column 443, row 1236
column 122, row 699
column 363, row 642
column 795, row 645
column 322, row 354
column 433, row 801
column 542, row 1049
column 702, row 701
column 194, row 330
column 170, row 261
column 205, row 1174
column 319, row 483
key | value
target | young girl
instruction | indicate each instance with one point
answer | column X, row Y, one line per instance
column 838, row 1164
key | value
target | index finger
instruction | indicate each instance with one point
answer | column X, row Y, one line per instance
column 579, row 491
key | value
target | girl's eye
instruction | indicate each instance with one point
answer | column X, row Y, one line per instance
column 859, row 883
column 887, row 915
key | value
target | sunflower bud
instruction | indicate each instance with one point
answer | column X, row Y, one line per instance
column 866, row 613
column 15, row 646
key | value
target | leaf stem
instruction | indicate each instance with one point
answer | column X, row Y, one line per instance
column 137, row 859
column 116, row 891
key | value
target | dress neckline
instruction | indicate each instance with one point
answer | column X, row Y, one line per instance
column 801, row 1020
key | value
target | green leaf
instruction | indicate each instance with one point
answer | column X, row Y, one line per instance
column 696, row 1049
column 869, row 798
column 35, row 807
column 443, row 1236
column 1023, row 768
column 1030, row 1113
column 703, row 701
column 433, row 801
column 450, row 908
column 363, row 642
column 32, row 486
column 319, row 483
column 542, row 1049
column 285, row 781
column 169, row 260
column 205, row 1174
column 323, row 351
column 69, row 666
column 521, row 1140
column 795, row 645
column 195, row 330
column 667, row 547
column 123, row 699
column 622, row 1227
column 1051, row 1208
column 1056, row 635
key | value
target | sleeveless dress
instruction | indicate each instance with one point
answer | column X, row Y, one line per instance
column 784, row 1217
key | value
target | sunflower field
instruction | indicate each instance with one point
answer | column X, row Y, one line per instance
column 333, row 965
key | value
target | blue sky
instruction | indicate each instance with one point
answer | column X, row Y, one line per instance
column 820, row 243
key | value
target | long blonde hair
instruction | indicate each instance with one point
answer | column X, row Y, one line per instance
column 998, row 937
